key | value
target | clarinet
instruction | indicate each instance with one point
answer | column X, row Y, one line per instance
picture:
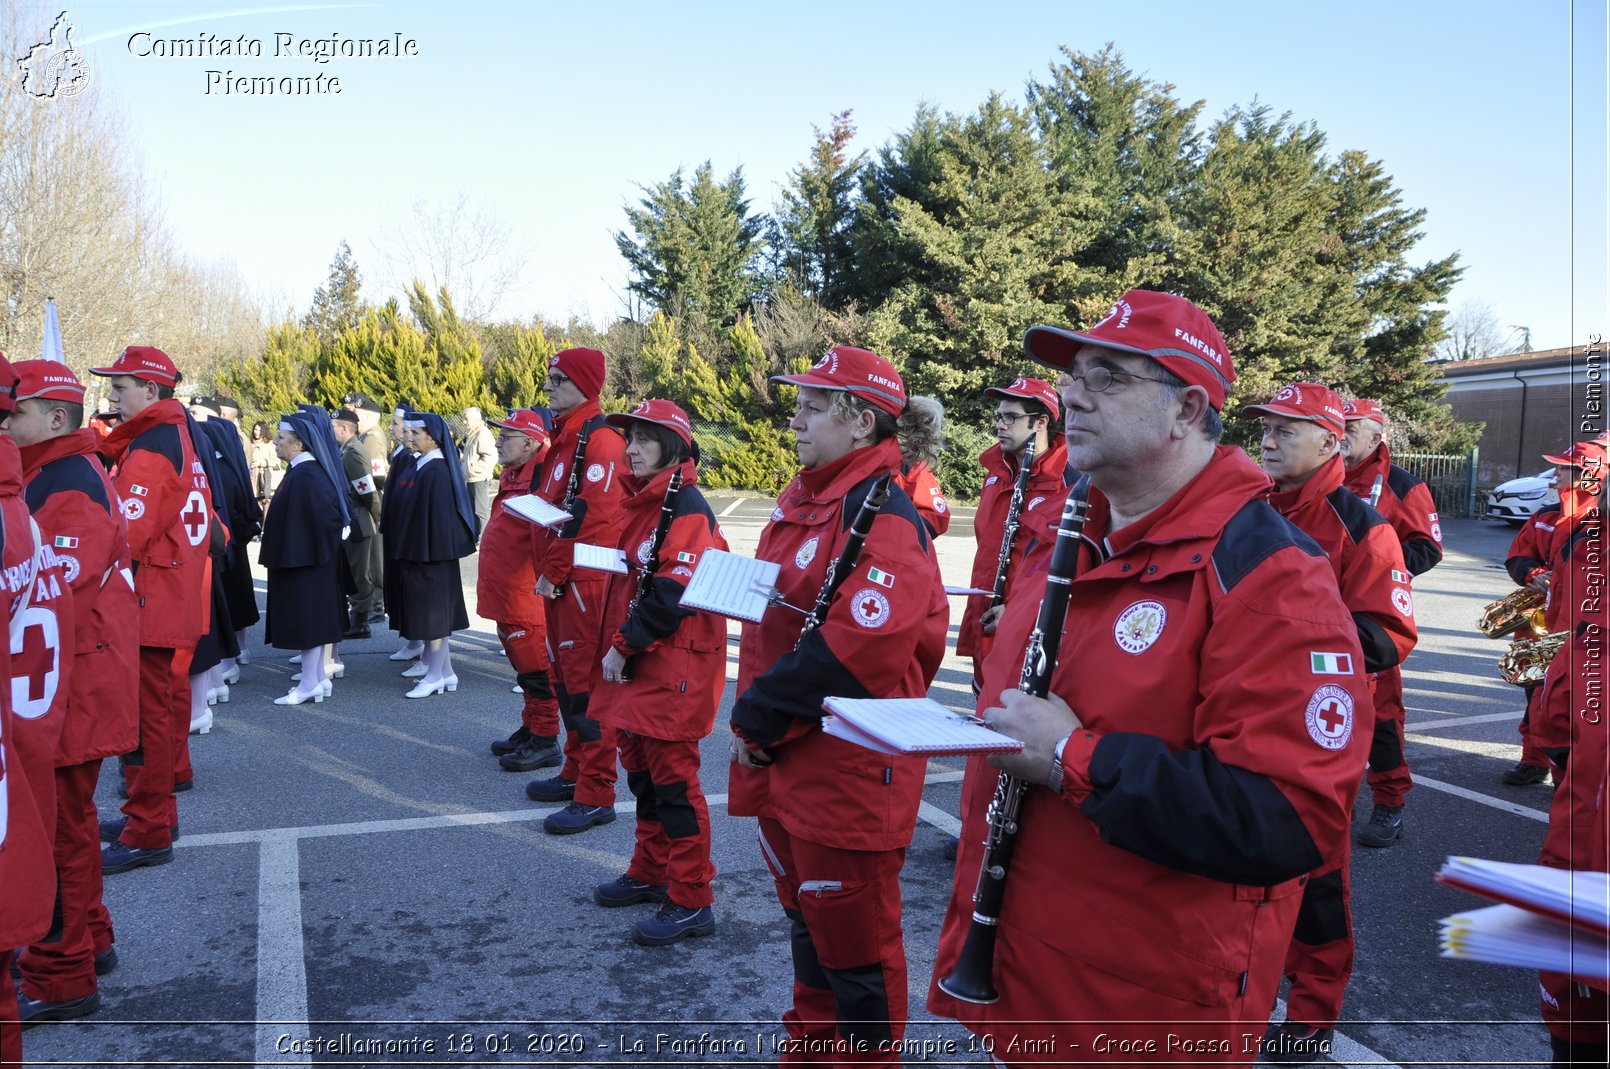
column 572, row 486
column 1375, row 492
column 1009, row 535
column 648, row 569
column 971, row 980
column 842, row 565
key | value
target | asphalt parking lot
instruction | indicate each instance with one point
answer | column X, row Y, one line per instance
column 358, row 883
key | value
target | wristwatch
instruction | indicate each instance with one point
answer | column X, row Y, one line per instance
column 1055, row 780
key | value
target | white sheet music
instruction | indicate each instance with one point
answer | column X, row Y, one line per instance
column 532, row 508
column 600, row 558
column 729, row 584
column 912, row 726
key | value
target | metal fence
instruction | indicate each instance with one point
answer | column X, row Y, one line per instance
column 1451, row 478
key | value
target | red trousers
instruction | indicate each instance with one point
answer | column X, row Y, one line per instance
column 1319, row 960
column 1389, row 777
column 164, row 736
column 1574, row 1011
column 526, row 647
column 589, row 745
column 65, row 968
column 849, row 957
column 1531, row 753
column 673, row 821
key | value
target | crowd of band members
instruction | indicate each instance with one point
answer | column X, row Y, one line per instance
column 1229, row 667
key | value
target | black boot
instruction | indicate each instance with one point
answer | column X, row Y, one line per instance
column 357, row 625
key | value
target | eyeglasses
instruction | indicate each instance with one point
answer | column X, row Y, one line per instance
column 1008, row 418
column 555, row 379
column 1099, row 379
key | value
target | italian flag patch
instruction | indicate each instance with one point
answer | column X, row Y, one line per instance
column 1330, row 664
column 66, row 542
column 883, row 579
column 686, row 558
column 1400, row 577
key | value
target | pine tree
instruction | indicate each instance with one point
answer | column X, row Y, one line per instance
column 338, row 304
column 518, row 371
column 812, row 240
column 277, row 380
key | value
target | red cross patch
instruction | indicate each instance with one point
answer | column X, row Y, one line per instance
column 1330, row 717
column 194, row 518
column 870, row 608
column 35, row 662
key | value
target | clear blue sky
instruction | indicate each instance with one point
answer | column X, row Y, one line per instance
column 553, row 113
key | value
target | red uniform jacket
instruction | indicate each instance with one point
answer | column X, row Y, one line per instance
column 596, row 511
column 917, row 479
column 884, row 637
column 677, row 658
column 77, row 510
column 1366, row 557
column 1574, row 689
column 506, row 581
column 1217, row 675
column 1406, row 503
column 166, row 501
column 1541, row 542
column 1042, row 509
column 27, row 738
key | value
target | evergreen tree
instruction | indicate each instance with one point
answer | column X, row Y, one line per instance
column 274, row 382
column 812, row 239
column 518, row 372
column 338, row 304
column 694, row 249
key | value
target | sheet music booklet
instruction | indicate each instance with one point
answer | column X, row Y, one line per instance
column 730, row 584
column 912, row 726
column 534, row 509
column 600, row 558
column 1551, row 919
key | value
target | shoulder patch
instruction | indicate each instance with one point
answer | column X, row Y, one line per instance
column 1255, row 533
column 72, row 473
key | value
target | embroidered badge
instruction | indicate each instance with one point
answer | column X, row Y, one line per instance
column 939, row 504
column 558, row 472
column 882, row 578
column 133, row 508
column 776, row 514
column 69, row 565
column 682, row 571
column 138, row 491
column 1036, row 503
column 1330, row 664
column 992, row 480
column 1140, row 625
column 1402, row 602
column 870, row 608
column 66, row 542
column 595, row 473
column 644, row 549
column 687, row 558
column 1330, row 717
column 806, row 554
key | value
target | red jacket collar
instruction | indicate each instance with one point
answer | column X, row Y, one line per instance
column 117, row 442
column 82, row 442
column 997, row 461
column 1198, row 512
column 641, row 494
column 570, row 421
column 831, row 482
column 10, row 467
column 1377, row 463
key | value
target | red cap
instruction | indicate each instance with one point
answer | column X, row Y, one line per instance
column 1306, row 401
column 858, row 371
column 1364, row 408
column 584, row 367
column 1588, row 455
column 143, row 362
column 8, row 386
column 1168, row 329
column 49, row 379
column 664, row 413
column 525, row 421
column 1030, row 390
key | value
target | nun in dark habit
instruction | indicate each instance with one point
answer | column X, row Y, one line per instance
column 435, row 529
column 301, row 547
column 398, row 464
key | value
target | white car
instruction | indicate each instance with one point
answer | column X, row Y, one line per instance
column 1519, row 499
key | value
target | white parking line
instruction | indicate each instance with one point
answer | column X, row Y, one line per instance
column 1481, row 799
column 281, row 970
column 730, row 509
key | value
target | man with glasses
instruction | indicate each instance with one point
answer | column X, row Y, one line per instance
column 1026, row 414
column 1193, row 760
column 593, row 480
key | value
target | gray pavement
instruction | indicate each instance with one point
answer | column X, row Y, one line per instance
column 359, row 884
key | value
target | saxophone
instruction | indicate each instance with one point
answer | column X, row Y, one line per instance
column 1521, row 608
column 1528, row 659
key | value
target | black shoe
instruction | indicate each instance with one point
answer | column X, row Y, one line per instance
column 577, row 817
column 1290, row 1043
column 625, row 891
column 112, row 829
column 106, row 961
column 512, row 743
column 672, row 924
column 120, row 857
column 1526, row 775
column 377, row 615
column 539, row 751
column 952, row 844
column 33, row 1011
column 1385, row 827
column 557, row 789
column 360, row 631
